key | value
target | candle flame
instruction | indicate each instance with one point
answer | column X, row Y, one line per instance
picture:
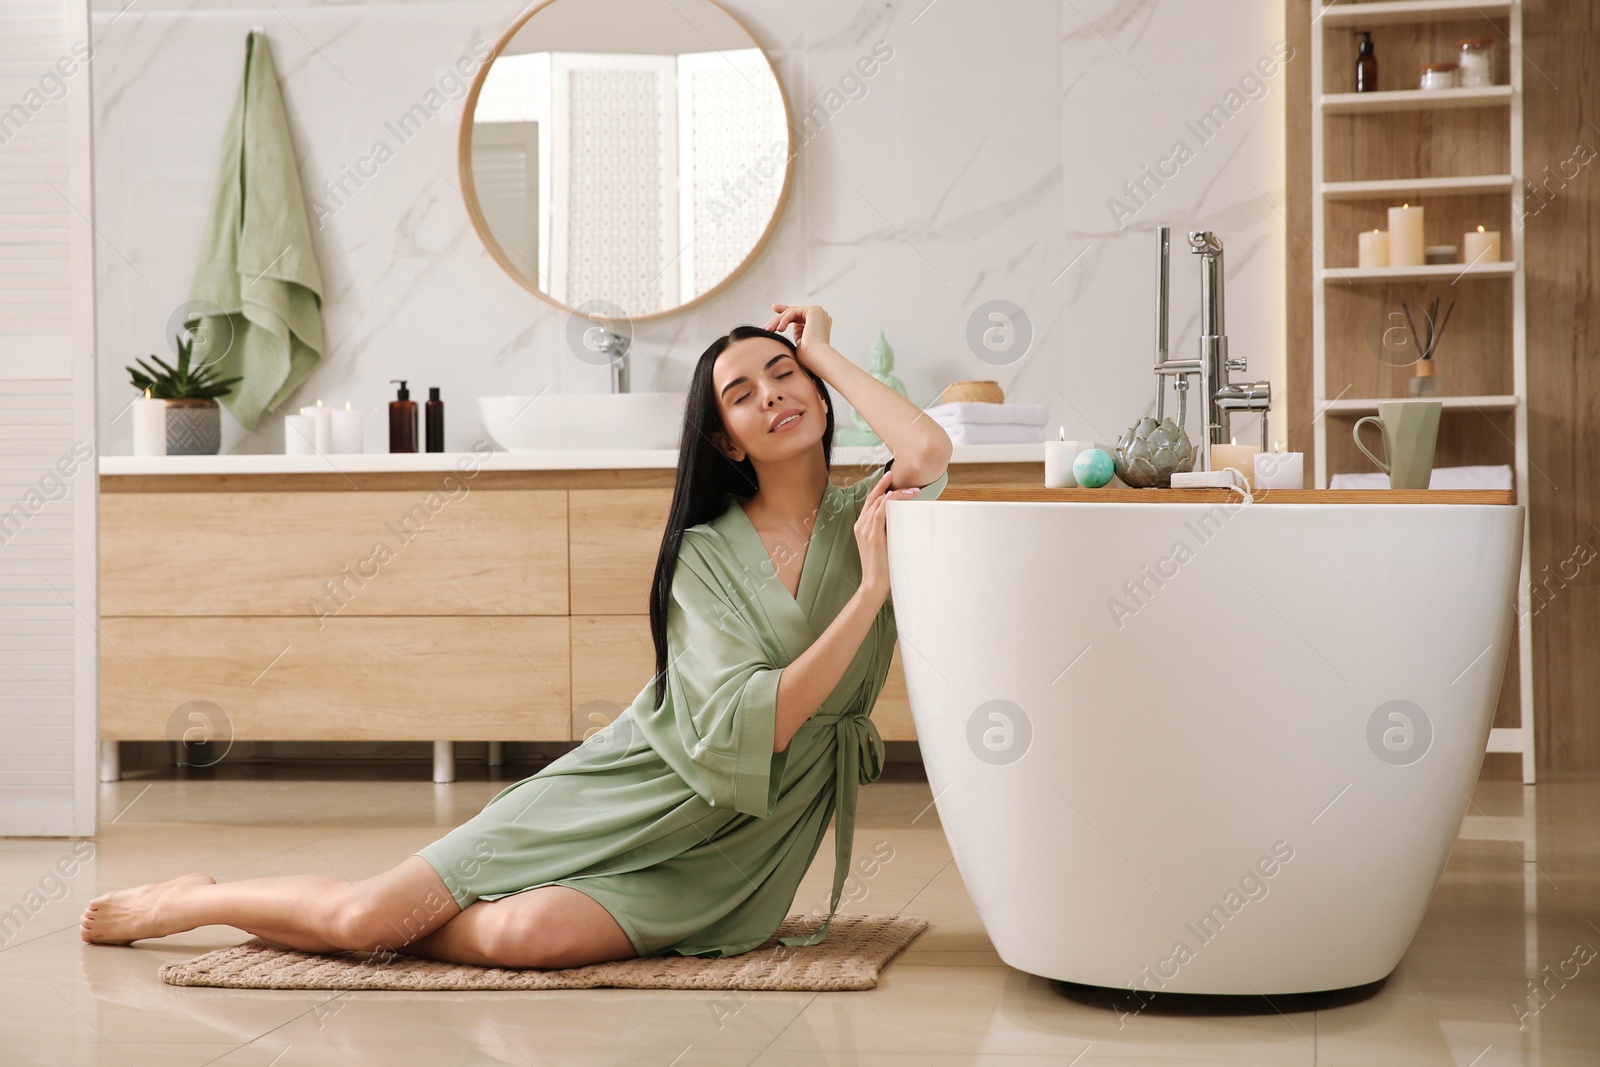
column 1233, row 440
column 347, row 405
column 1480, row 229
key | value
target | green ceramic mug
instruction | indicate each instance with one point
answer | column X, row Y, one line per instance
column 1410, row 429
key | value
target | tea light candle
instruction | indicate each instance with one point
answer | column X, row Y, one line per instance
column 149, row 426
column 299, row 435
column 1481, row 247
column 348, row 430
column 1405, row 236
column 323, row 438
column 1280, row 470
column 1240, row 457
column 1374, row 249
column 1058, row 457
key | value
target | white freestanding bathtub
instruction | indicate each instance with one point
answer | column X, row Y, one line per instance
column 1203, row 748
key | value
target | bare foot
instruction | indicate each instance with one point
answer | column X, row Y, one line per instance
column 123, row 916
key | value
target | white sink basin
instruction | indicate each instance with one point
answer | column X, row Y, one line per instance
column 551, row 422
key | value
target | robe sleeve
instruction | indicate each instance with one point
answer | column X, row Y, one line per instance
column 857, row 493
column 858, row 490
column 722, row 692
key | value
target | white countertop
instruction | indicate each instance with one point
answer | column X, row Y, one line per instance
column 368, row 462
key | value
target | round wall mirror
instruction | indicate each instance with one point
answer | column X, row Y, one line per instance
column 625, row 158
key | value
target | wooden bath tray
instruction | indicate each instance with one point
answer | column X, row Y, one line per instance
column 1110, row 495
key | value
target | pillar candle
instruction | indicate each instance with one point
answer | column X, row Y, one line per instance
column 1241, row 457
column 1280, row 470
column 1058, row 457
column 299, row 435
column 1405, row 236
column 1374, row 249
column 348, row 430
column 149, row 426
column 323, row 439
column 1481, row 247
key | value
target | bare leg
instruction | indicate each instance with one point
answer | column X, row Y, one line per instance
column 309, row 912
column 550, row 927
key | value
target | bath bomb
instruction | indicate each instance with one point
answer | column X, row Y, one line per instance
column 1093, row 468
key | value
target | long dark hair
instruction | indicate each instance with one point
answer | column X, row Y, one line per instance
column 705, row 474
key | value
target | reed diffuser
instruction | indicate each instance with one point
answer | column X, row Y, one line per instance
column 1423, row 382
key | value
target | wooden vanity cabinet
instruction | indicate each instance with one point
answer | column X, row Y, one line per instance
column 390, row 606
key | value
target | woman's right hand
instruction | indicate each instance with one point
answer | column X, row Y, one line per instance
column 872, row 538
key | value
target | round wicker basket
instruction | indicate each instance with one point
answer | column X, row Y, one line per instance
column 986, row 392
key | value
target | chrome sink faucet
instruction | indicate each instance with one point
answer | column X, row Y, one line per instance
column 616, row 346
column 1224, row 397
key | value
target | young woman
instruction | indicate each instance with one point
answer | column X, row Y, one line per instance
column 686, row 825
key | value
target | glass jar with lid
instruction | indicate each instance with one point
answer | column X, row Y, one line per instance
column 1475, row 62
column 1441, row 75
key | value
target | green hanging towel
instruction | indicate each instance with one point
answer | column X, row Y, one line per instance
column 256, row 260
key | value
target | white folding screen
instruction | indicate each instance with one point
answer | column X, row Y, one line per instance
column 48, row 481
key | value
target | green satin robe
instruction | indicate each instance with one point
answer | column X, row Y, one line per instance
column 681, row 821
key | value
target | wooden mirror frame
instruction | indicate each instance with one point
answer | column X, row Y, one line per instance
column 469, row 189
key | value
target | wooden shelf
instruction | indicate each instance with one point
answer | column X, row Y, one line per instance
column 1369, row 405
column 1452, row 271
column 1360, row 16
column 1419, row 187
column 1460, row 151
column 1415, row 100
column 1033, row 495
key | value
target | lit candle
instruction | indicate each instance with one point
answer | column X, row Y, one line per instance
column 1481, row 247
column 149, row 426
column 1405, row 236
column 299, row 435
column 1058, row 457
column 1374, row 249
column 1280, row 470
column 348, row 432
column 1239, row 457
column 324, row 425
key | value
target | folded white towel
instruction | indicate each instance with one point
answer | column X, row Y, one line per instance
column 998, row 433
column 969, row 412
column 1485, row 477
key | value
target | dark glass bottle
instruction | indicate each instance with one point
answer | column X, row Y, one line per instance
column 402, row 420
column 1366, row 65
column 433, row 421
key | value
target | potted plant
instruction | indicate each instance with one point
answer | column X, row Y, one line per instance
column 194, row 418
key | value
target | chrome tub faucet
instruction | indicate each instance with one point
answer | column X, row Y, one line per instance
column 1224, row 397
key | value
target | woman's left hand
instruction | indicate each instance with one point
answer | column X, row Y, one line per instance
column 812, row 327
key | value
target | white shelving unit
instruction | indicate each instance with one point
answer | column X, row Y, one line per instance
column 1336, row 22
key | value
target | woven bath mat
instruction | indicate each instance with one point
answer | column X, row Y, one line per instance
column 856, row 949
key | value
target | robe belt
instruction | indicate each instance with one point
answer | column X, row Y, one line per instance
column 859, row 759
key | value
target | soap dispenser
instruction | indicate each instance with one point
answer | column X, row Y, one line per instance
column 1366, row 65
column 433, row 421
column 402, row 420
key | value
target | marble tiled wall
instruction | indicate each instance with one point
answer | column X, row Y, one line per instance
column 979, row 165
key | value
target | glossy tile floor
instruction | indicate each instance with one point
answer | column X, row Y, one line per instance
column 1459, row 997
